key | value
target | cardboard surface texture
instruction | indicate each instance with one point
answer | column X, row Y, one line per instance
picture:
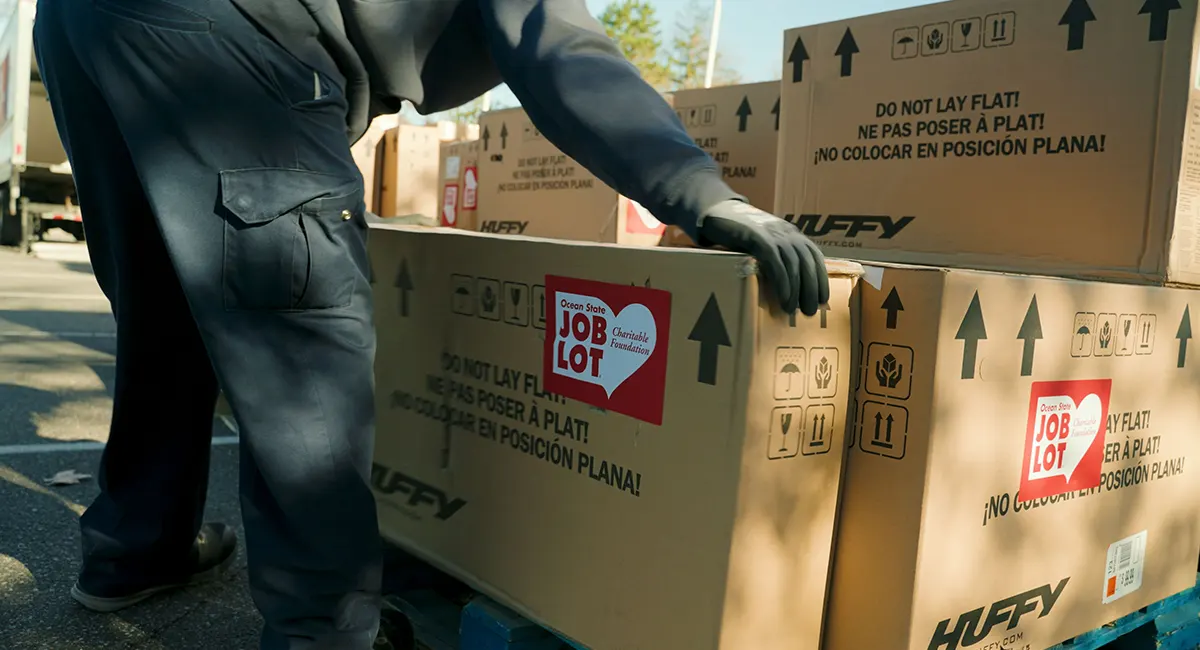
column 1056, row 138
column 737, row 125
column 1020, row 464
column 370, row 158
column 662, row 475
column 529, row 187
column 458, row 184
column 409, row 181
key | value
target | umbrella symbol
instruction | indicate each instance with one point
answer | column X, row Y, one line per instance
column 1083, row 329
column 905, row 41
column 790, row 370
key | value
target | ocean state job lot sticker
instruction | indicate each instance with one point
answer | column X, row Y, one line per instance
column 606, row 345
column 1064, row 437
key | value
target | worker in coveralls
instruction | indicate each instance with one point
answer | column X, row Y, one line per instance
column 210, row 142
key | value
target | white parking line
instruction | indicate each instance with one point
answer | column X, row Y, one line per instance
column 56, row 447
column 52, row 296
column 38, row 334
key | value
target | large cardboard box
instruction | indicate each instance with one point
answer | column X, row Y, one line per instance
column 458, row 183
column 529, row 187
column 370, row 157
column 663, row 476
column 737, row 125
column 1019, row 470
column 1057, row 138
column 409, row 182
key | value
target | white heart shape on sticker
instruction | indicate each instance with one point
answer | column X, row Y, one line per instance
column 1085, row 426
column 599, row 348
column 1059, row 454
column 644, row 215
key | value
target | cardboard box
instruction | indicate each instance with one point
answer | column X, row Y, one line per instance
column 1056, row 138
column 458, row 183
column 686, row 503
column 737, row 126
column 968, row 522
column 410, row 172
column 529, row 187
column 369, row 157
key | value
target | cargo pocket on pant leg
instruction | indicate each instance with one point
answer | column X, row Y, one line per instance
column 283, row 249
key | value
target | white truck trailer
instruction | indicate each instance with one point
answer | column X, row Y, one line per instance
column 37, row 191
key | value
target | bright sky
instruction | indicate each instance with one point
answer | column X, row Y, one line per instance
column 751, row 36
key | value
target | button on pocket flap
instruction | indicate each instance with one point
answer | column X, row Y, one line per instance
column 261, row 195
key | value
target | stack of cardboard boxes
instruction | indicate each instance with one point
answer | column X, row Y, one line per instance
column 980, row 442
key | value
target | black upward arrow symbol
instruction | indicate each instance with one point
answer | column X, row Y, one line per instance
column 797, row 58
column 710, row 333
column 893, row 306
column 1184, row 334
column 847, row 49
column 971, row 332
column 1160, row 16
column 824, row 311
column 404, row 284
column 775, row 112
column 487, row 135
column 503, row 135
column 743, row 113
column 1030, row 333
column 1077, row 16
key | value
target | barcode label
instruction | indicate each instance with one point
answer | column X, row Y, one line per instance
column 1123, row 570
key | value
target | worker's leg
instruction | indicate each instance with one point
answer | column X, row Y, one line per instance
column 244, row 159
column 154, row 471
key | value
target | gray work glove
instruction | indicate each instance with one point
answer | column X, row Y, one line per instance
column 791, row 263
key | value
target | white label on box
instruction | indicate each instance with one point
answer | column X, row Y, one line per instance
column 452, row 164
column 1123, row 572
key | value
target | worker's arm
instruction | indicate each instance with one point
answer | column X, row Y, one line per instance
column 587, row 99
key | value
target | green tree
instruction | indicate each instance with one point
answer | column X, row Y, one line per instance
column 466, row 114
column 689, row 51
column 633, row 26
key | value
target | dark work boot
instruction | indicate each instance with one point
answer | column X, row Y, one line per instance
column 212, row 554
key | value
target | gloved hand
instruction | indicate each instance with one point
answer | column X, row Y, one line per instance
column 792, row 264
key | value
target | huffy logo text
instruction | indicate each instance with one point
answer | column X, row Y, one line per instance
column 973, row 627
column 1064, row 437
column 606, row 345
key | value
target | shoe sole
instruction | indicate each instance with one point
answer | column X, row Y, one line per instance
column 108, row 605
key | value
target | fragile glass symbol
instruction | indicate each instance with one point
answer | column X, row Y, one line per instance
column 824, row 374
column 514, row 294
column 966, row 29
column 785, row 423
column 888, row 372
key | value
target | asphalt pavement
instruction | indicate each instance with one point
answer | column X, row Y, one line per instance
column 57, row 347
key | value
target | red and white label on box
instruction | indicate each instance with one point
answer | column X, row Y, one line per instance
column 606, row 345
column 1064, row 437
column 470, row 188
column 639, row 221
column 450, row 205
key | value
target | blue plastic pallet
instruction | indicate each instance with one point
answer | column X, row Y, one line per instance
column 1169, row 624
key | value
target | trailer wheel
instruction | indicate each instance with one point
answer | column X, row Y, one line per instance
column 10, row 224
